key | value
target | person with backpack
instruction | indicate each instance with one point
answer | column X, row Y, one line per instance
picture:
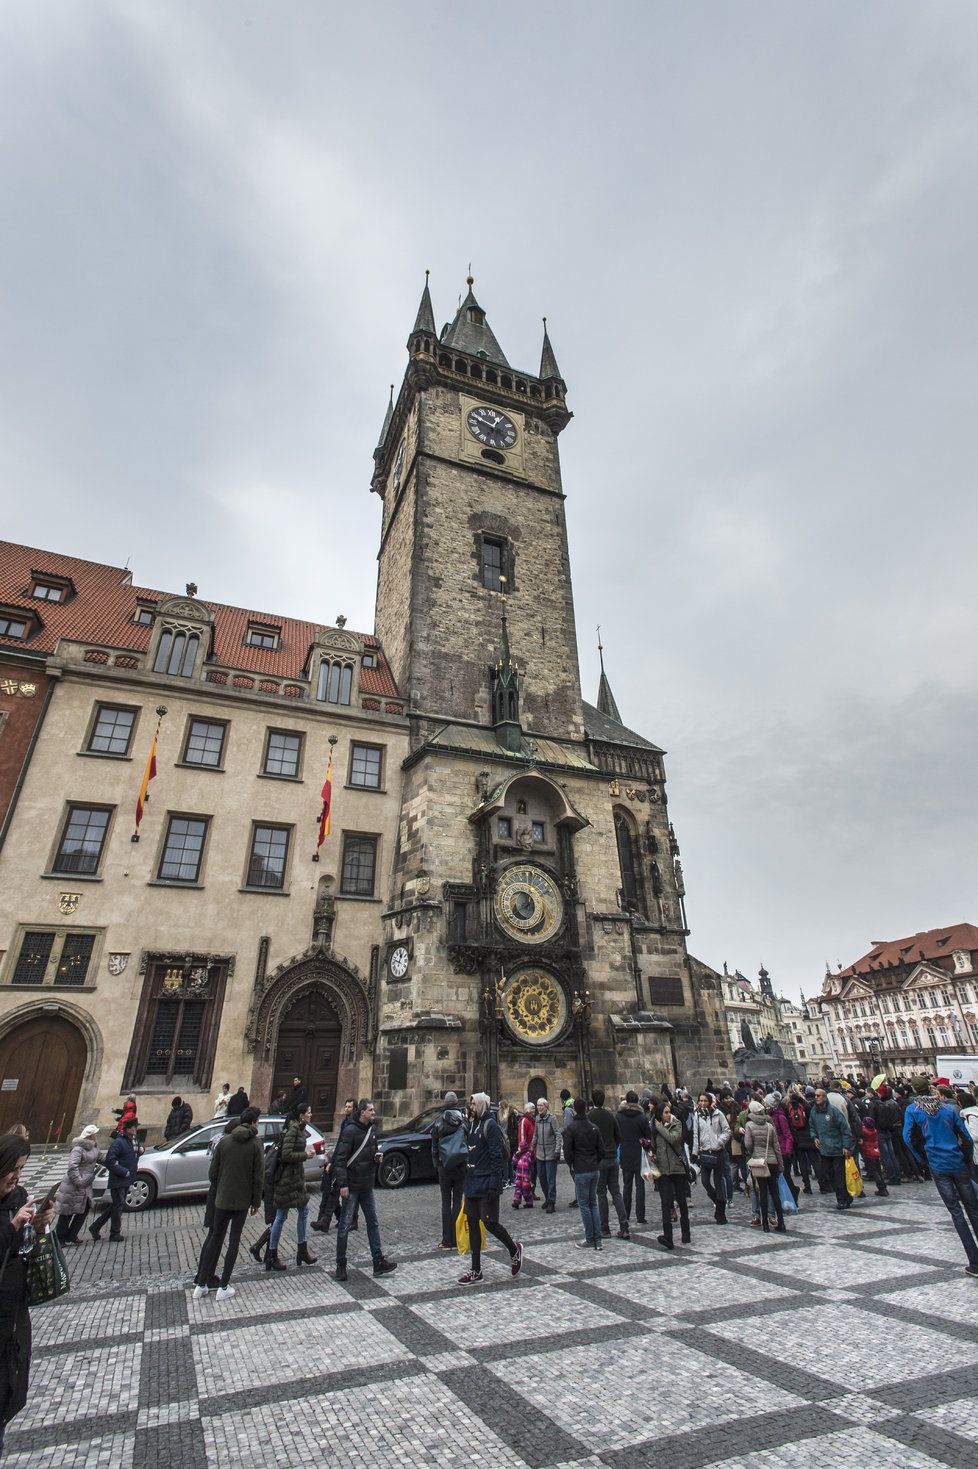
column 950, row 1152
column 355, row 1159
column 450, row 1157
column 483, row 1185
column 803, row 1148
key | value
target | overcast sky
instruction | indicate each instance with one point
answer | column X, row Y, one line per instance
column 753, row 227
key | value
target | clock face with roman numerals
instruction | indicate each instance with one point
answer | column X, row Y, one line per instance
column 492, row 428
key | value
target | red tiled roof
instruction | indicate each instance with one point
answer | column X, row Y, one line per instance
column 105, row 601
column 932, row 944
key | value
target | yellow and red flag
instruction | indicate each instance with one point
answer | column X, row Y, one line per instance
column 148, row 774
column 327, row 801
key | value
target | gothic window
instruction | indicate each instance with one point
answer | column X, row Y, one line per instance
column 627, row 863
column 176, row 652
column 359, row 866
column 335, row 682
column 82, row 840
column 176, row 1027
column 111, row 732
column 60, row 957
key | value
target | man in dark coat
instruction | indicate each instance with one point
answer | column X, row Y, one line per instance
column 180, row 1119
column 633, row 1128
column 450, row 1157
column 355, row 1160
column 296, row 1099
column 121, row 1162
column 238, row 1103
column 483, row 1185
column 238, row 1172
column 608, row 1182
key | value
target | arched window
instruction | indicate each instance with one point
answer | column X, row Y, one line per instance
column 627, row 863
column 335, row 682
column 176, row 652
column 535, row 1089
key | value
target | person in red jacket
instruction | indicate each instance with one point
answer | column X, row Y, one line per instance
column 871, row 1156
column 128, row 1114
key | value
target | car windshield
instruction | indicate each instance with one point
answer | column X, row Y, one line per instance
column 426, row 1121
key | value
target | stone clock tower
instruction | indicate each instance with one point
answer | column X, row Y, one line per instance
column 534, row 933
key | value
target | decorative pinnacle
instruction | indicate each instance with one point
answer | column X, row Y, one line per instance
column 600, row 644
column 470, row 278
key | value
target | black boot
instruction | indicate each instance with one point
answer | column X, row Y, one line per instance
column 272, row 1261
column 303, row 1256
column 255, row 1250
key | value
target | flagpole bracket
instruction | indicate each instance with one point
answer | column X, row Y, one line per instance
column 134, row 837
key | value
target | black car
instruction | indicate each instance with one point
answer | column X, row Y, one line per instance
column 407, row 1151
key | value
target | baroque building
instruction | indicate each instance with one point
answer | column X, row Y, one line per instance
column 906, row 1002
column 500, row 900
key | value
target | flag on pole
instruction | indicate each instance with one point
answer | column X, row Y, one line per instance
column 327, row 799
column 148, row 775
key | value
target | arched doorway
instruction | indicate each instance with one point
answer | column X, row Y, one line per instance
column 308, row 1046
column 536, row 1088
column 46, row 1057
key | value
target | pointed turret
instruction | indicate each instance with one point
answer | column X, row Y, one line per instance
column 425, row 319
column 606, row 699
column 506, row 693
column 548, row 362
column 470, row 332
column 387, row 419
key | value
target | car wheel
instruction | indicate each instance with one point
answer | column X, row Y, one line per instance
column 394, row 1171
column 142, row 1192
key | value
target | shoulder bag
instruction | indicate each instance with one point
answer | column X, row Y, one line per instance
column 759, row 1166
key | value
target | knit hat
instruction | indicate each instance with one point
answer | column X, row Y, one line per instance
column 89, row 1131
column 451, row 1100
column 772, row 1099
column 754, row 1105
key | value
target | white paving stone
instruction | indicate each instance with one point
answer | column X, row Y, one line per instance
column 278, row 1351
column 490, row 1319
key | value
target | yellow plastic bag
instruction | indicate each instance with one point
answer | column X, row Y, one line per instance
column 462, row 1232
column 854, row 1183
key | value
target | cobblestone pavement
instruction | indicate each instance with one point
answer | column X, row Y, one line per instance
column 851, row 1341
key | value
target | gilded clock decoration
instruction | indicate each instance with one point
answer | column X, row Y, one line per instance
column 528, row 904
column 534, row 1006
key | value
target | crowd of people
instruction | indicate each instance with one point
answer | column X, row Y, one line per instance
column 770, row 1145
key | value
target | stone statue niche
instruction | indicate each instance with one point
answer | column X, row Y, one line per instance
column 765, row 1062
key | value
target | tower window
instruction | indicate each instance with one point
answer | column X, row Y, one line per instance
column 492, row 564
column 627, row 864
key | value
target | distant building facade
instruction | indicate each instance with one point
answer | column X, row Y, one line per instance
column 905, row 1002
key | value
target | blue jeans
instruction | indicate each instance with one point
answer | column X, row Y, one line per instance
column 586, row 1188
column 957, row 1190
column 547, row 1175
column 278, row 1223
column 368, row 1208
column 889, row 1158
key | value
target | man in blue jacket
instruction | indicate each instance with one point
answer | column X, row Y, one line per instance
column 121, row 1162
column 950, row 1164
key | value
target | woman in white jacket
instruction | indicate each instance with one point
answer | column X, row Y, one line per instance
column 711, row 1134
column 221, row 1100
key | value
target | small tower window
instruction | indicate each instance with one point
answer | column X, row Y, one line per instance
column 476, row 315
column 492, row 564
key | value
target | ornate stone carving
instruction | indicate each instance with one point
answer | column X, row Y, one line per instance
column 343, row 984
column 183, row 607
column 335, row 639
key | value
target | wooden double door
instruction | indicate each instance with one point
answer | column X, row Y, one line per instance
column 308, row 1046
column 42, row 1066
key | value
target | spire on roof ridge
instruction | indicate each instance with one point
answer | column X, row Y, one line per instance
column 606, row 699
column 425, row 319
column 387, row 419
column 548, row 362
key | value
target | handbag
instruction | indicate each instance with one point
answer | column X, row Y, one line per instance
column 759, row 1166
column 47, row 1273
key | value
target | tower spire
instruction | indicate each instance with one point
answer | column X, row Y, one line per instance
column 425, row 319
column 606, row 699
column 387, row 419
column 470, row 331
column 548, row 362
column 506, row 689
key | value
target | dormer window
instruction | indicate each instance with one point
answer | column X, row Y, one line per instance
column 15, row 624
column 176, row 652
column 260, row 635
column 369, row 660
column 51, row 588
column 143, row 616
column 476, row 316
column 335, row 683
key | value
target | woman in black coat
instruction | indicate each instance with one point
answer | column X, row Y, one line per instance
column 16, row 1212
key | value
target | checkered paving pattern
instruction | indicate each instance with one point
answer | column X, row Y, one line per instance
column 631, row 1359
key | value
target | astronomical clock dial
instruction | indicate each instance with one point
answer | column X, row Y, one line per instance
column 492, row 428
column 528, row 905
column 397, row 962
column 534, row 1006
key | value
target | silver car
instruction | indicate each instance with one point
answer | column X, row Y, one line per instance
column 179, row 1167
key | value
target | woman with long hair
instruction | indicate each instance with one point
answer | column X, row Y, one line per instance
column 18, row 1224
column 673, row 1182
